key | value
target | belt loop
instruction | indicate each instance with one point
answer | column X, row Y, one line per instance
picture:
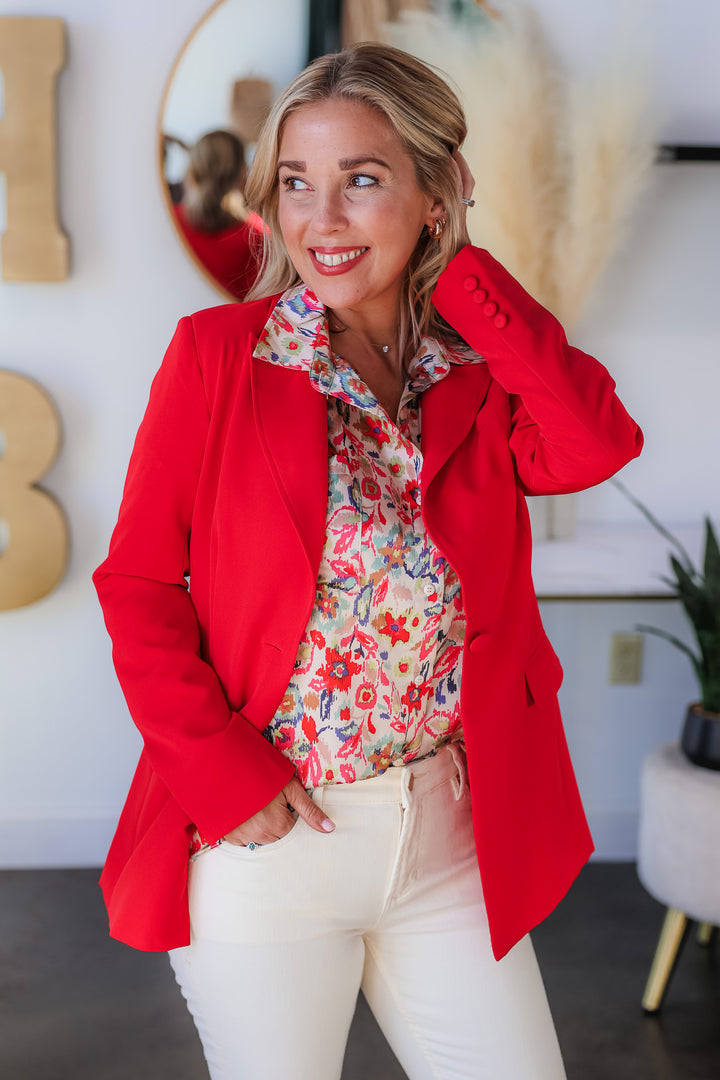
column 458, row 756
column 407, row 781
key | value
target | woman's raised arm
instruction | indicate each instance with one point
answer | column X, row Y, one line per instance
column 569, row 428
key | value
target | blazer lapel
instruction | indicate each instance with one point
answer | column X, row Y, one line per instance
column 291, row 418
column 449, row 408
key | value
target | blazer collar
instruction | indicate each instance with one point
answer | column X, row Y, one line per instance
column 449, row 410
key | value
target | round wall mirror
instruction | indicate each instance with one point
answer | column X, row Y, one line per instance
column 233, row 65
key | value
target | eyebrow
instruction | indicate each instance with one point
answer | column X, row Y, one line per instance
column 346, row 164
column 352, row 163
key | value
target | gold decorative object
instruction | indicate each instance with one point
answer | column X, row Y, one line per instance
column 363, row 20
column 34, row 561
column 250, row 104
column 32, row 53
column 489, row 10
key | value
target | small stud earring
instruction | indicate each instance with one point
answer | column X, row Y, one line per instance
column 438, row 228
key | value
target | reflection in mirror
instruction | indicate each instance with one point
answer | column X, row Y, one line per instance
column 210, row 211
column 218, row 94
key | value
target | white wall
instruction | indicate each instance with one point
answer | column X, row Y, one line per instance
column 68, row 746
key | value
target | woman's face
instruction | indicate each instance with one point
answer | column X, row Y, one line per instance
column 350, row 208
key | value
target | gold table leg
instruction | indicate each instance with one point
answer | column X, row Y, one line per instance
column 705, row 933
column 668, row 949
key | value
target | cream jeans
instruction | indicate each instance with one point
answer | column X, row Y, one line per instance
column 284, row 935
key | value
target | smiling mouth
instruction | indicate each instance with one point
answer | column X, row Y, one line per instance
column 338, row 258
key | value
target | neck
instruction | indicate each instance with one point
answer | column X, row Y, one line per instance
column 376, row 335
column 379, row 364
column 375, row 323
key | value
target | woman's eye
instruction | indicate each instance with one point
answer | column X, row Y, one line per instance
column 293, row 183
column 362, row 180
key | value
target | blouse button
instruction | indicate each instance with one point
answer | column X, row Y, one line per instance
column 419, row 680
column 428, row 588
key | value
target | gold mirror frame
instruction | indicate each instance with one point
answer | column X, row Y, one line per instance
column 161, row 152
column 160, row 149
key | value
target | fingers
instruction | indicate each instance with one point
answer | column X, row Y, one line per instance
column 262, row 829
column 465, row 184
column 298, row 798
column 269, row 824
column 458, row 174
column 465, row 177
column 277, row 818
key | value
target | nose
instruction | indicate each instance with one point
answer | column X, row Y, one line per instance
column 330, row 215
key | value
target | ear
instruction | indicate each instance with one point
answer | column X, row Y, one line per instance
column 436, row 210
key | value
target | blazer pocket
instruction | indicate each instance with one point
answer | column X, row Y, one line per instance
column 543, row 674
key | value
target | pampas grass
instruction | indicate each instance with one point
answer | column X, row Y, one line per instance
column 558, row 163
column 609, row 150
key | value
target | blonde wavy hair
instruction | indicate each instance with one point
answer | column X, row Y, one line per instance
column 427, row 118
column 216, row 165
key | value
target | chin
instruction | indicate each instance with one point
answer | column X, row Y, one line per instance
column 333, row 294
column 352, row 296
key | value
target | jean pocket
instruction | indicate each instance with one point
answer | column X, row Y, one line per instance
column 255, row 851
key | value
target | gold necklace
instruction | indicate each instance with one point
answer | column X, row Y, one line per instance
column 341, row 330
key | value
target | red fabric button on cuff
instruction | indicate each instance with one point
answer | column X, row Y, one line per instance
column 501, row 320
column 470, row 283
column 490, row 308
column 480, row 296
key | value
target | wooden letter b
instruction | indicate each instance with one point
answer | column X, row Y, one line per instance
column 34, row 560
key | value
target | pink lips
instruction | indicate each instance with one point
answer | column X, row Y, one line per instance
column 337, row 260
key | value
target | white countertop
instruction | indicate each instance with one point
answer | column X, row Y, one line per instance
column 610, row 562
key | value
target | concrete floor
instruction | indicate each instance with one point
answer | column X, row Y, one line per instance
column 75, row 1005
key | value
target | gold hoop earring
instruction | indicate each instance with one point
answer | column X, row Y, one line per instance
column 438, row 228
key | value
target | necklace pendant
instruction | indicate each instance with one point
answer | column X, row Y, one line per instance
column 386, row 348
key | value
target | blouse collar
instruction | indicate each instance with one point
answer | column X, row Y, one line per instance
column 296, row 336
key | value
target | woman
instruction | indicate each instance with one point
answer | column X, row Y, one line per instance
column 222, row 235
column 340, row 466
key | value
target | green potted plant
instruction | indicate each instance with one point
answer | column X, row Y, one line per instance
column 699, row 593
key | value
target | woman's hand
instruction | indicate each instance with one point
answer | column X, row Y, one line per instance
column 276, row 819
column 465, row 184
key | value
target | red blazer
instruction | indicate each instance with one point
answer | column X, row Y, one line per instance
column 228, row 480
column 230, row 254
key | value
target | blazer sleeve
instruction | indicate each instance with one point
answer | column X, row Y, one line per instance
column 216, row 764
column 569, row 429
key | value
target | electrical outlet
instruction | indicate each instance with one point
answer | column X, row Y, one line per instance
column 626, row 654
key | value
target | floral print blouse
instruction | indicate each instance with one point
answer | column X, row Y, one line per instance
column 377, row 675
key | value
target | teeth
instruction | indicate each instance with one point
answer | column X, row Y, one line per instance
column 341, row 257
